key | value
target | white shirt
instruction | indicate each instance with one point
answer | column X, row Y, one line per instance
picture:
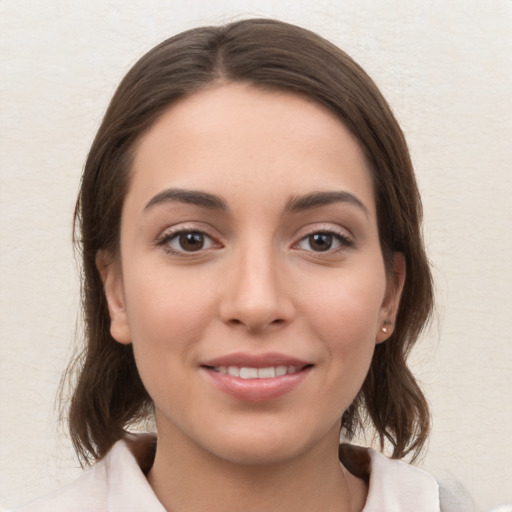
column 118, row 484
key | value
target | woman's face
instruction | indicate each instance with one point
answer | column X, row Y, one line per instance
column 251, row 281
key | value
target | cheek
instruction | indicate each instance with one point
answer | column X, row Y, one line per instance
column 165, row 304
column 345, row 318
column 349, row 307
column 167, row 318
column 166, row 326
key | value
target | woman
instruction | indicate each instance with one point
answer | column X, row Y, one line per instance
column 254, row 277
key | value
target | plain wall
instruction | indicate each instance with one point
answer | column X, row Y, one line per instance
column 445, row 67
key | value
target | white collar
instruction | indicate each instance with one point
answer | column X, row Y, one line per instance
column 399, row 487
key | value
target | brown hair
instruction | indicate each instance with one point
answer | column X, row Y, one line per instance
column 109, row 395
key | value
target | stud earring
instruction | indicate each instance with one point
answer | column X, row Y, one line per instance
column 384, row 329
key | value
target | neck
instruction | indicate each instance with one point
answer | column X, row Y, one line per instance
column 186, row 478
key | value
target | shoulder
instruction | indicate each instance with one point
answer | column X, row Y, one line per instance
column 400, row 486
column 454, row 496
column 86, row 493
column 396, row 486
column 115, row 484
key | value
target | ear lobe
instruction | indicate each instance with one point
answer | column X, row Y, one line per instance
column 112, row 278
column 394, row 287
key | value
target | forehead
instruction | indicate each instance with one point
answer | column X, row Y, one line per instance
column 235, row 139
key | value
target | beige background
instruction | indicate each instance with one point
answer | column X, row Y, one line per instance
column 446, row 68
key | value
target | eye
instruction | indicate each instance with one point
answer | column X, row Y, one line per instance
column 324, row 241
column 186, row 241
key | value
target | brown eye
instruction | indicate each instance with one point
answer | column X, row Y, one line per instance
column 186, row 241
column 325, row 241
column 191, row 241
column 320, row 242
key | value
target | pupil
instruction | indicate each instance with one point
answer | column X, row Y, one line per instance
column 192, row 241
column 320, row 241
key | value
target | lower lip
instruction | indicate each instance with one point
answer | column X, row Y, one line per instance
column 256, row 390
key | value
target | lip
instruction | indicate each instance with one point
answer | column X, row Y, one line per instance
column 256, row 360
column 256, row 390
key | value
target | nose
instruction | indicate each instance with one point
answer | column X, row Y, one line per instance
column 255, row 294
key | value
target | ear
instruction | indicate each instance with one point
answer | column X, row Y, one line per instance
column 389, row 308
column 112, row 278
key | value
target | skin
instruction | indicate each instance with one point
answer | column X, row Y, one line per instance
column 259, row 284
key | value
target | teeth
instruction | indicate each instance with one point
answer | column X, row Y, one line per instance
column 248, row 373
column 234, row 370
column 280, row 371
column 266, row 373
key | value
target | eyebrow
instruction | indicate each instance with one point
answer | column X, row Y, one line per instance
column 318, row 199
column 294, row 205
column 195, row 197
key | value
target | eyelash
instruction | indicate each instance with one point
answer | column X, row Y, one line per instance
column 343, row 242
column 165, row 240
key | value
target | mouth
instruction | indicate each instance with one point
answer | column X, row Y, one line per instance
column 256, row 378
column 249, row 373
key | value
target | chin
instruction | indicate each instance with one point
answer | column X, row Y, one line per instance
column 266, row 447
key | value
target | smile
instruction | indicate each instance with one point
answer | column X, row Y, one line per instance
column 256, row 378
column 248, row 373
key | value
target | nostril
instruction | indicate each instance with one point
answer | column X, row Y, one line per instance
column 256, row 325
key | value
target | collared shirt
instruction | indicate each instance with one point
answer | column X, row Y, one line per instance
column 118, row 484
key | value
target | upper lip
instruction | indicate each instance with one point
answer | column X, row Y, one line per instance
column 242, row 359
